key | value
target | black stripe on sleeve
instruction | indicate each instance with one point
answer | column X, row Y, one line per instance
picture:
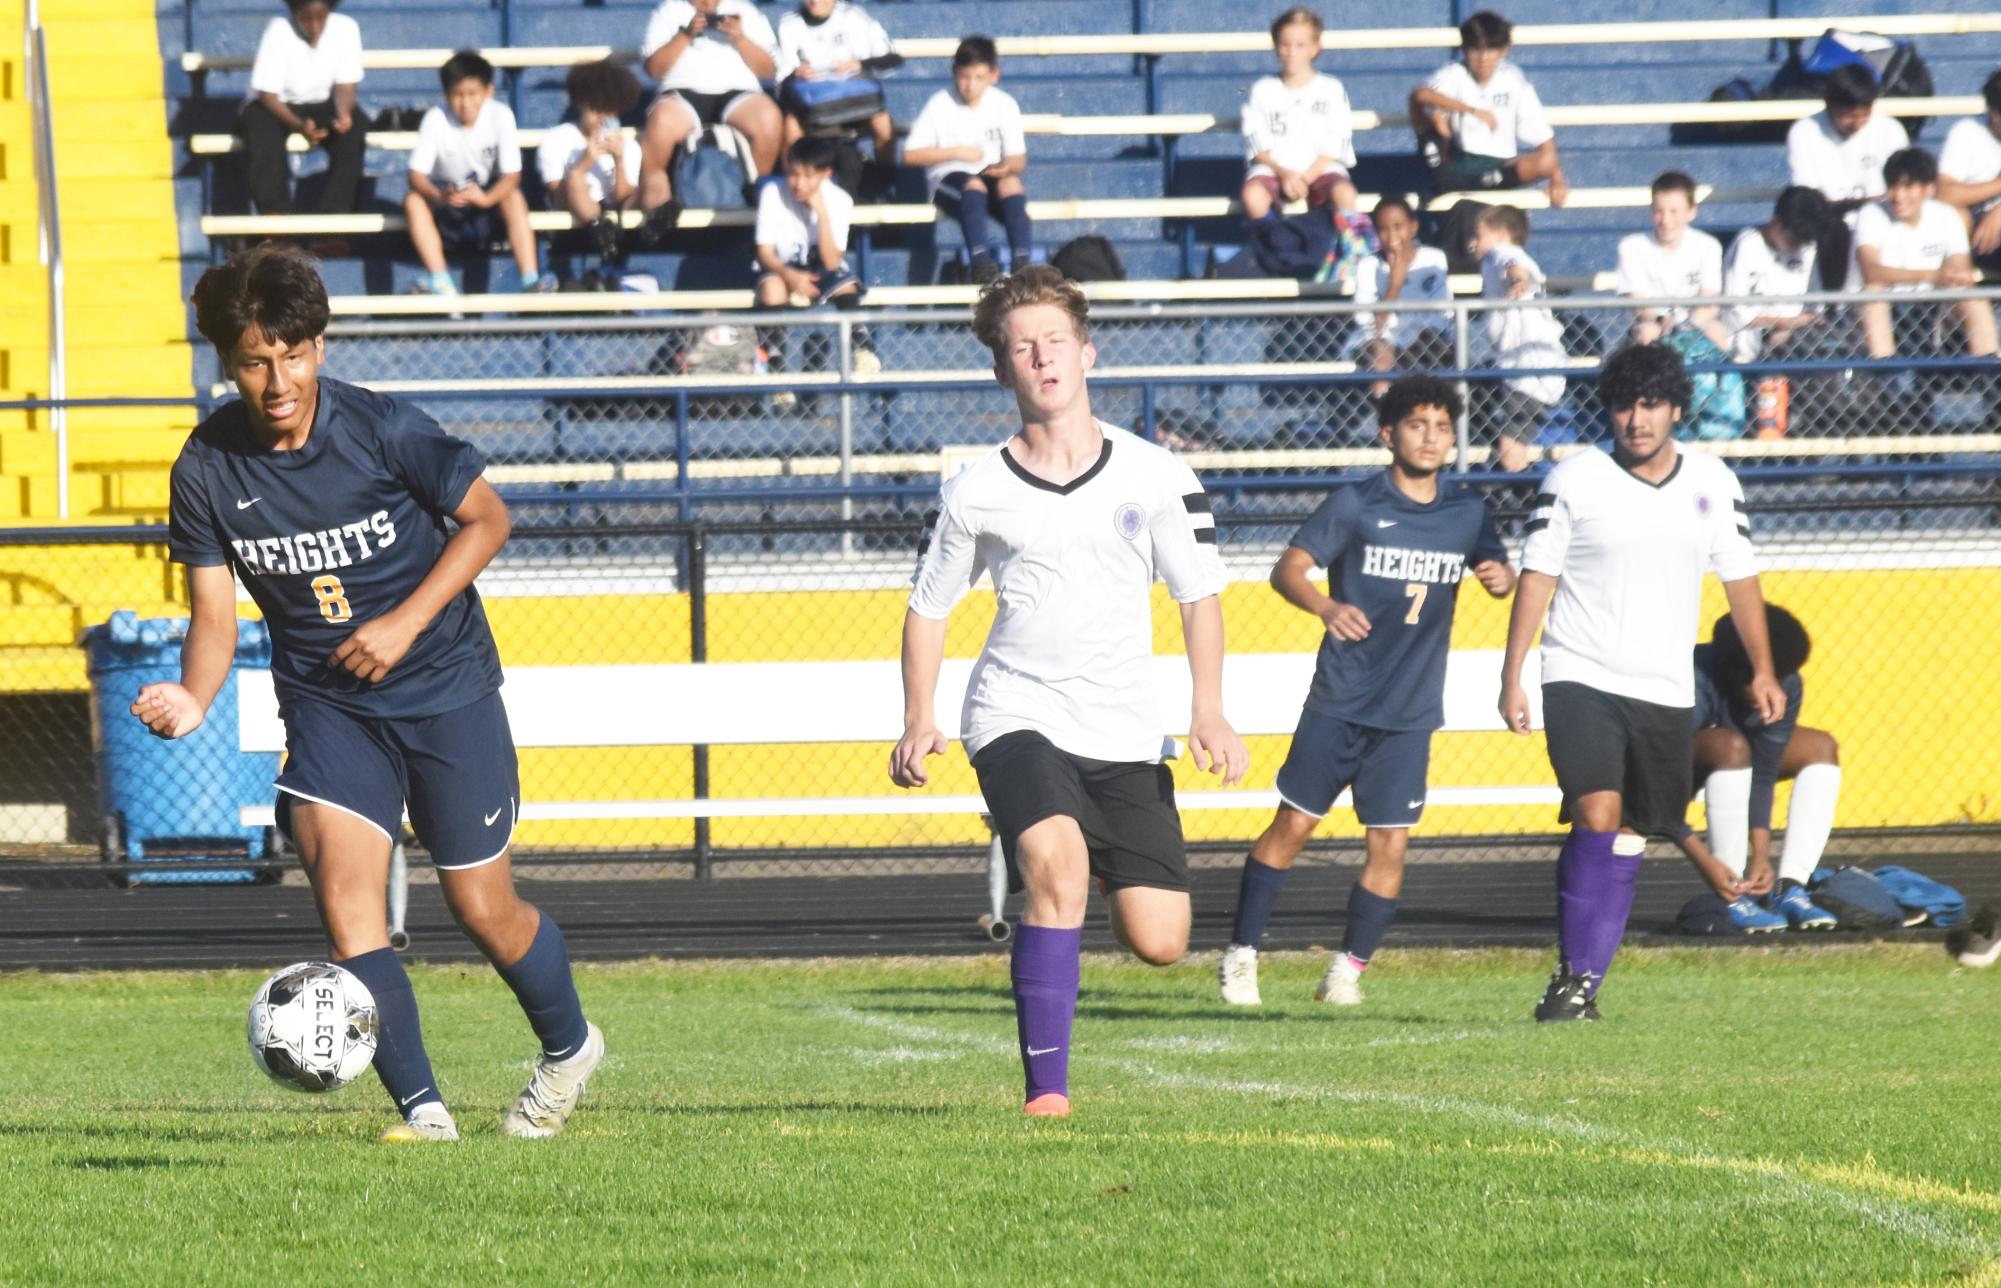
column 1537, row 525
column 1205, row 536
column 1738, row 505
column 1744, row 529
column 1197, row 503
column 1543, row 500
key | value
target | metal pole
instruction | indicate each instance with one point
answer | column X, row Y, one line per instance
column 51, row 245
column 698, row 651
column 1461, row 353
column 845, row 357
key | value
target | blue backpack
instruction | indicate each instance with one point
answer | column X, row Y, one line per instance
column 713, row 169
column 1944, row 905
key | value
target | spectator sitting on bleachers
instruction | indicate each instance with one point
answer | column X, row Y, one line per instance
column 1839, row 152
column 969, row 141
column 1774, row 259
column 1674, row 261
column 1473, row 115
column 1298, row 142
column 1907, row 242
column 802, row 246
column 467, row 164
column 1969, row 177
column 711, row 58
column 1404, row 269
column 590, row 165
column 1510, row 413
column 303, row 79
column 832, row 40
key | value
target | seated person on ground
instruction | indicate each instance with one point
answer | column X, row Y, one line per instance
column 802, row 240
column 1969, row 176
column 832, row 40
column 1298, row 142
column 1740, row 760
column 303, row 80
column 467, row 164
column 969, row 141
column 1404, row 269
column 1674, row 261
column 591, row 165
column 1479, row 122
column 1910, row 241
column 1773, row 259
column 1509, row 413
column 711, row 58
column 1839, row 152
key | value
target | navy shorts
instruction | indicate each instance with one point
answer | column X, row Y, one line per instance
column 1386, row 767
column 1125, row 809
column 464, row 228
column 456, row 771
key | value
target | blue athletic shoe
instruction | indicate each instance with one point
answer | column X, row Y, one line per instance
column 1800, row 911
column 1747, row 915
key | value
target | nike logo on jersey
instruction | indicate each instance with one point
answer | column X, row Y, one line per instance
column 1044, row 1050
column 1386, row 523
column 412, row 1096
column 245, row 505
column 493, row 816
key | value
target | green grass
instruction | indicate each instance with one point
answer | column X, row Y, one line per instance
column 1789, row 1115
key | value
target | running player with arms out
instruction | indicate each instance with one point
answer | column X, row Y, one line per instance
column 330, row 502
column 1074, row 519
column 1396, row 547
column 1617, row 547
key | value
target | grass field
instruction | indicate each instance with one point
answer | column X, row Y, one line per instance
column 1769, row 1116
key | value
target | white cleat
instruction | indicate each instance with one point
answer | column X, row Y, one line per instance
column 1342, row 984
column 544, row 1105
column 429, row 1121
column 1239, row 976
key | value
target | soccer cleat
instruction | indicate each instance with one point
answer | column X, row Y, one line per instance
column 429, row 1121
column 1050, row 1104
column 544, row 1105
column 1982, row 944
column 1238, row 974
column 1752, row 917
column 1800, row 911
column 1342, row 984
column 1568, row 997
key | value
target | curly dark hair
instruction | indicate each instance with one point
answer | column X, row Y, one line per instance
column 603, row 86
column 1644, row 373
column 274, row 287
column 1408, row 393
column 1791, row 646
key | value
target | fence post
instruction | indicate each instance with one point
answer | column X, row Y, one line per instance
column 1461, row 353
column 681, row 455
column 698, row 651
column 844, row 353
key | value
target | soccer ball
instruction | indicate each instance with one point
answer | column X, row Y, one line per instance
column 312, row 1026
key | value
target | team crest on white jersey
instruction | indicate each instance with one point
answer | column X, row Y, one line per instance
column 1702, row 504
column 1129, row 519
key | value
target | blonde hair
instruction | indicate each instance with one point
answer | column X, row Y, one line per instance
column 1302, row 15
column 1036, row 284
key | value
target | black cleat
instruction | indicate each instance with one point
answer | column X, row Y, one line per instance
column 1980, row 944
column 661, row 221
column 1567, row 998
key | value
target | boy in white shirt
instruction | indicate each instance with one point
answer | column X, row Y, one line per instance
column 1774, row 259
column 1520, row 337
column 1969, row 175
column 1675, row 261
column 591, row 165
column 1479, row 122
column 970, row 142
column 711, row 58
column 303, row 80
column 1298, row 143
column 1910, row 241
column 466, row 165
column 1404, row 269
column 802, row 244
column 834, row 40
column 1839, row 151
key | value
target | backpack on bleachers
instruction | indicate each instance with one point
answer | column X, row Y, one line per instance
column 1899, row 70
column 714, row 170
column 1089, row 258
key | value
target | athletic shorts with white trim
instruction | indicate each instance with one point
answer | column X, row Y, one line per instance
column 1386, row 767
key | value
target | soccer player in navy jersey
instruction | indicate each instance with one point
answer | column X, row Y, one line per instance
column 331, row 503
column 1395, row 547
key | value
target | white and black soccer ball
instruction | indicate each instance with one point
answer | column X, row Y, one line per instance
column 312, row 1026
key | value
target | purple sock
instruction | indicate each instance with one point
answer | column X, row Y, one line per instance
column 1623, row 879
column 1584, row 896
column 1045, row 1002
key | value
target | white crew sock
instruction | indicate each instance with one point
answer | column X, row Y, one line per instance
column 1726, row 797
column 1808, row 821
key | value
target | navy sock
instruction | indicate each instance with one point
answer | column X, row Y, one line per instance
column 541, row 982
column 1257, row 895
column 1369, row 918
column 972, row 214
column 1020, row 230
column 400, row 1059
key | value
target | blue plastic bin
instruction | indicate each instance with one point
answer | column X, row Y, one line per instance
column 185, row 795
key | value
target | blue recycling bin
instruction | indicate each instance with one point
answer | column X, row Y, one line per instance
column 162, row 801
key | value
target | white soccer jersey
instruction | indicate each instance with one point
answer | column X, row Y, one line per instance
column 1938, row 235
column 1752, row 267
column 1298, row 126
column 710, row 64
column 1629, row 558
column 1842, row 169
column 301, row 73
column 1427, row 279
column 1520, row 125
column 1649, row 270
column 453, row 154
column 1522, row 336
column 947, row 122
column 793, row 230
column 1972, row 155
column 1070, row 654
column 563, row 146
column 849, row 35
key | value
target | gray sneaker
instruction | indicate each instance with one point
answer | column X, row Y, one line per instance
column 544, row 1105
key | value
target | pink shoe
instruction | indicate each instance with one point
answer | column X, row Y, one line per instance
column 1050, row 1104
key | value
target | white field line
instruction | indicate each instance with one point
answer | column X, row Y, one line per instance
column 1768, row 1176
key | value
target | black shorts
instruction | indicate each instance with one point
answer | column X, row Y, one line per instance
column 1124, row 808
column 1602, row 742
column 464, row 228
column 709, row 109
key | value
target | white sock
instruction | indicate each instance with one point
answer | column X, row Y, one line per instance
column 1809, row 820
column 1726, row 798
